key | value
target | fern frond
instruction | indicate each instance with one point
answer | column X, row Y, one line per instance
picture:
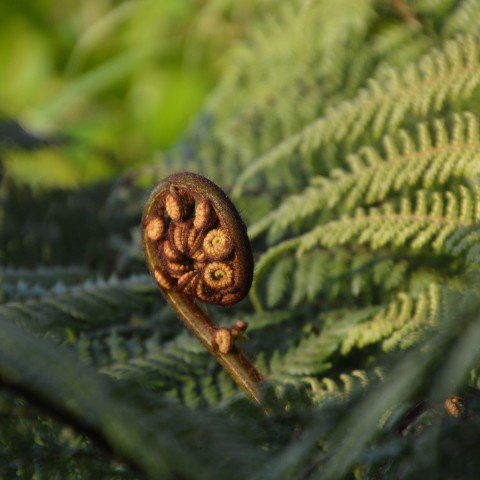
column 166, row 361
column 308, row 358
column 83, row 307
column 312, row 355
column 132, row 424
column 341, row 45
column 306, row 361
column 22, row 283
column 344, row 385
column 452, row 154
column 463, row 18
column 444, row 224
column 330, row 276
column 43, row 275
column 451, row 73
column 408, row 314
column 447, row 223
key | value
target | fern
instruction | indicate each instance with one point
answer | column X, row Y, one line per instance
column 450, row 73
column 394, row 322
column 463, row 18
column 114, row 420
column 82, row 307
column 446, row 222
column 409, row 163
column 327, row 387
column 348, row 134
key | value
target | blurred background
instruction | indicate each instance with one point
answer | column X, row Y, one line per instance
column 89, row 89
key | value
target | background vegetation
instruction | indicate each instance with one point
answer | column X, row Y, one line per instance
column 348, row 134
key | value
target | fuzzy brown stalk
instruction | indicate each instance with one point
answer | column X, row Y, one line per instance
column 196, row 247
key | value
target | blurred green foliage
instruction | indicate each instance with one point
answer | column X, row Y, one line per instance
column 110, row 81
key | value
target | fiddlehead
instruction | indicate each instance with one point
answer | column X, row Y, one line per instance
column 196, row 247
column 197, row 241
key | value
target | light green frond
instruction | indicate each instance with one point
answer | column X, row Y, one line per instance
column 345, row 384
column 265, row 261
column 463, row 18
column 426, row 160
column 313, row 354
column 451, row 73
column 408, row 314
column 434, row 223
column 447, row 223
column 279, row 280
column 327, row 276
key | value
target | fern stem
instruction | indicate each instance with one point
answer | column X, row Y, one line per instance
column 236, row 364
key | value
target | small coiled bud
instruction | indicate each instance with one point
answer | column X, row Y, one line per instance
column 217, row 245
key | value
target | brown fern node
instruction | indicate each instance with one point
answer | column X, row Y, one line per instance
column 197, row 248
